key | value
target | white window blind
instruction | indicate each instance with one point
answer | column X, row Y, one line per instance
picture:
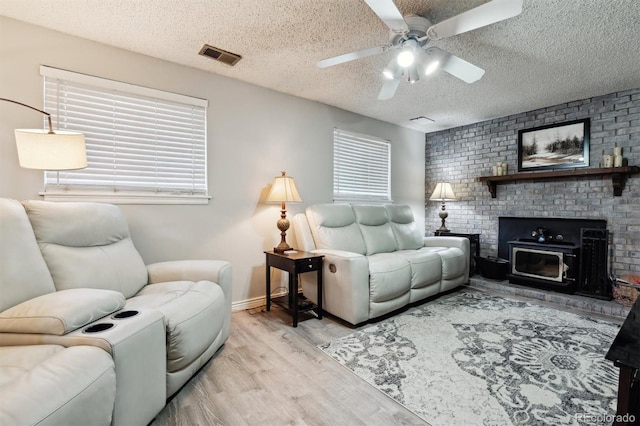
column 361, row 167
column 141, row 142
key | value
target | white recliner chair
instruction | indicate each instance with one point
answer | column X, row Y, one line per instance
column 45, row 384
column 71, row 276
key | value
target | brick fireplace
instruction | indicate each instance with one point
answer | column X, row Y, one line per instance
column 461, row 155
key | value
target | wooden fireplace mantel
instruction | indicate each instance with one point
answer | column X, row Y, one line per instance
column 618, row 177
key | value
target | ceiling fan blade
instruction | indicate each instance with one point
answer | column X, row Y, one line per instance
column 486, row 14
column 389, row 88
column 329, row 62
column 389, row 14
column 455, row 66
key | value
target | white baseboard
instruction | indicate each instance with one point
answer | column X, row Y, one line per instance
column 242, row 305
column 256, row 302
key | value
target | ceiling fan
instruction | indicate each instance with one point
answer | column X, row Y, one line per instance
column 412, row 34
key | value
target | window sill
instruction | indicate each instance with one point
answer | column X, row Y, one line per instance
column 124, row 197
column 361, row 200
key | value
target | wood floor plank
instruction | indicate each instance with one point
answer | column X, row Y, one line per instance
column 270, row 373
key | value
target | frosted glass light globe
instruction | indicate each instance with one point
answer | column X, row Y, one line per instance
column 405, row 58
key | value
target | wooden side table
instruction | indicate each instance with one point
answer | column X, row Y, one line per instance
column 474, row 240
column 294, row 263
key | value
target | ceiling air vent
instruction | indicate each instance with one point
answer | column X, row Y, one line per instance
column 220, row 55
column 422, row 120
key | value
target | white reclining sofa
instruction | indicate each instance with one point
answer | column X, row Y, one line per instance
column 375, row 259
column 88, row 333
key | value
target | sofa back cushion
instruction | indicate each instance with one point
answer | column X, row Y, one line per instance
column 404, row 227
column 334, row 226
column 375, row 228
column 87, row 245
column 23, row 271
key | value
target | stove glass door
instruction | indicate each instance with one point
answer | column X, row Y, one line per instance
column 547, row 265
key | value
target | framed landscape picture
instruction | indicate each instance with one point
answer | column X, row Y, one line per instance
column 556, row 146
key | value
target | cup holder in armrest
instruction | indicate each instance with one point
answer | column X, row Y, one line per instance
column 124, row 314
column 97, row 328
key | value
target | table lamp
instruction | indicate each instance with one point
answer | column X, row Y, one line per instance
column 283, row 190
column 443, row 192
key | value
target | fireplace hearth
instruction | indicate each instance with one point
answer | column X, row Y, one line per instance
column 565, row 255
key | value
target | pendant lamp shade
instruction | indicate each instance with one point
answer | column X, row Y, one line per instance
column 49, row 150
column 40, row 150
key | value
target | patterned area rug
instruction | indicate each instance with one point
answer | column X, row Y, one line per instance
column 478, row 359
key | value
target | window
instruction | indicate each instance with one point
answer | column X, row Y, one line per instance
column 361, row 167
column 143, row 145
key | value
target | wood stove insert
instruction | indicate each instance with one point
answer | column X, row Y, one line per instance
column 566, row 255
column 546, row 265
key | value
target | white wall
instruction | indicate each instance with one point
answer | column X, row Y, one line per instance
column 253, row 133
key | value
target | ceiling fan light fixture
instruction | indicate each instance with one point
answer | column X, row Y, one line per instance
column 405, row 58
column 407, row 55
column 411, row 34
column 413, row 75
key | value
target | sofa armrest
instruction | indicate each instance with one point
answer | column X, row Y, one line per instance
column 217, row 271
column 60, row 312
column 346, row 284
column 460, row 242
column 338, row 253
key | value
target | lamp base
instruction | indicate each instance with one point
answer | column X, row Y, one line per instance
column 443, row 216
column 282, row 250
column 283, row 226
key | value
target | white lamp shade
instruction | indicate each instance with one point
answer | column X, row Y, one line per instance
column 283, row 190
column 443, row 192
column 40, row 150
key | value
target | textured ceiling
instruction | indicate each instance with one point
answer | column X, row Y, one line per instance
column 555, row 51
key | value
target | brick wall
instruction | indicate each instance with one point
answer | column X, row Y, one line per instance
column 462, row 154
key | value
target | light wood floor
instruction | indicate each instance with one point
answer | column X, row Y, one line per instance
column 269, row 373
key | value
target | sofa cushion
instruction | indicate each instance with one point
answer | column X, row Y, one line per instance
column 23, row 271
column 426, row 266
column 87, row 245
column 375, row 228
column 61, row 312
column 334, row 226
column 17, row 360
column 454, row 262
column 404, row 227
column 54, row 385
column 194, row 314
column 389, row 277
